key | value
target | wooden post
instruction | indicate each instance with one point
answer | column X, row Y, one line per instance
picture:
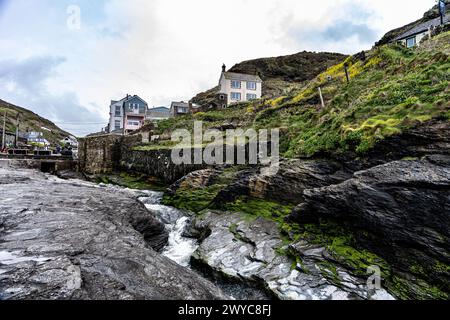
column 17, row 130
column 4, row 129
column 346, row 72
column 321, row 98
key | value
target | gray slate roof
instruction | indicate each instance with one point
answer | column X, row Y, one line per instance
column 423, row 27
column 241, row 77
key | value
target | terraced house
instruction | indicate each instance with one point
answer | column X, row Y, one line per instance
column 127, row 115
column 239, row 87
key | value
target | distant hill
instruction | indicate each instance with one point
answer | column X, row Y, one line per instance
column 281, row 74
column 31, row 121
column 429, row 15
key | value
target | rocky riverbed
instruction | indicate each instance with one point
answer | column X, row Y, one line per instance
column 76, row 240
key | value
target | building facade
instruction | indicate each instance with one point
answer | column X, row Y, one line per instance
column 127, row 115
column 239, row 87
column 179, row 109
column 158, row 114
column 414, row 36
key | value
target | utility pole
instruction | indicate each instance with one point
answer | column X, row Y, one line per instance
column 4, row 131
column 17, row 130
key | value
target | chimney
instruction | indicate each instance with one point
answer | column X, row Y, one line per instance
column 224, row 68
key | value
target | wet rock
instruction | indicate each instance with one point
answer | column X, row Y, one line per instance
column 76, row 240
column 249, row 251
column 287, row 183
column 401, row 210
column 70, row 174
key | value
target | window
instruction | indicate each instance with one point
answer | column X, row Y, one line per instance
column 117, row 111
column 251, row 85
column 117, row 125
column 235, row 84
column 182, row 110
column 222, row 97
column 235, row 96
column 411, row 42
column 134, row 123
column 251, row 96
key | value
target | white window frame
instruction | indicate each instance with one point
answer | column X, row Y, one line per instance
column 117, row 127
column 251, row 96
column 415, row 42
column 236, row 84
column 236, row 96
column 253, row 86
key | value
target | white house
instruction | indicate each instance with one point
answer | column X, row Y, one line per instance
column 414, row 36
column 127, row 115
column 239, row 87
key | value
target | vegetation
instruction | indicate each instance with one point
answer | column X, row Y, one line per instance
column 30, row 121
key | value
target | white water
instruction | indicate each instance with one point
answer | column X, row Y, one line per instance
column 179, row 248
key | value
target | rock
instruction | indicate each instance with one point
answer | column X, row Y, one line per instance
column 195, row 180
column 401, row 211
column 76, row 240
column 70, row 174
column 287, row 184
column 249, row 251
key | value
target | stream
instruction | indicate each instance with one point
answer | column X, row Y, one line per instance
column 180, row 248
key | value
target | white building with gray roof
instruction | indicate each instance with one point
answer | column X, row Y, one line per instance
column 238, row 87
column 415, row 35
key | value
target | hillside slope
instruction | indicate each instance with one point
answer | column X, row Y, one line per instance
column 281, row 74
column 31, row 121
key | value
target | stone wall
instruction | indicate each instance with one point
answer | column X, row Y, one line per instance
column 108, row 153
column 99, row 154
column 156, row 163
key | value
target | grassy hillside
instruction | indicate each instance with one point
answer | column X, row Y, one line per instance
column 282, row 74
column 31, row 121
column 394, row 89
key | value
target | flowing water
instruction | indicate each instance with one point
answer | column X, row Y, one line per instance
column 179, row 248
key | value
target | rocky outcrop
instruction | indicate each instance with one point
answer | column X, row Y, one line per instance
column 251, row 251
column 401, row 210
column 75, row 240
column 287, row 183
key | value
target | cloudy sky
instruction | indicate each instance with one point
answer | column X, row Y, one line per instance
column 68, row 70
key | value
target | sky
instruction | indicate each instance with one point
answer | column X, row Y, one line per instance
column 67, row 59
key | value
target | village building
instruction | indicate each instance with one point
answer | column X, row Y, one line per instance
column 127, row 115
column 37, row 138
column 158, row 114
column 179, row 109
column 238, row 87
column 415, row 35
